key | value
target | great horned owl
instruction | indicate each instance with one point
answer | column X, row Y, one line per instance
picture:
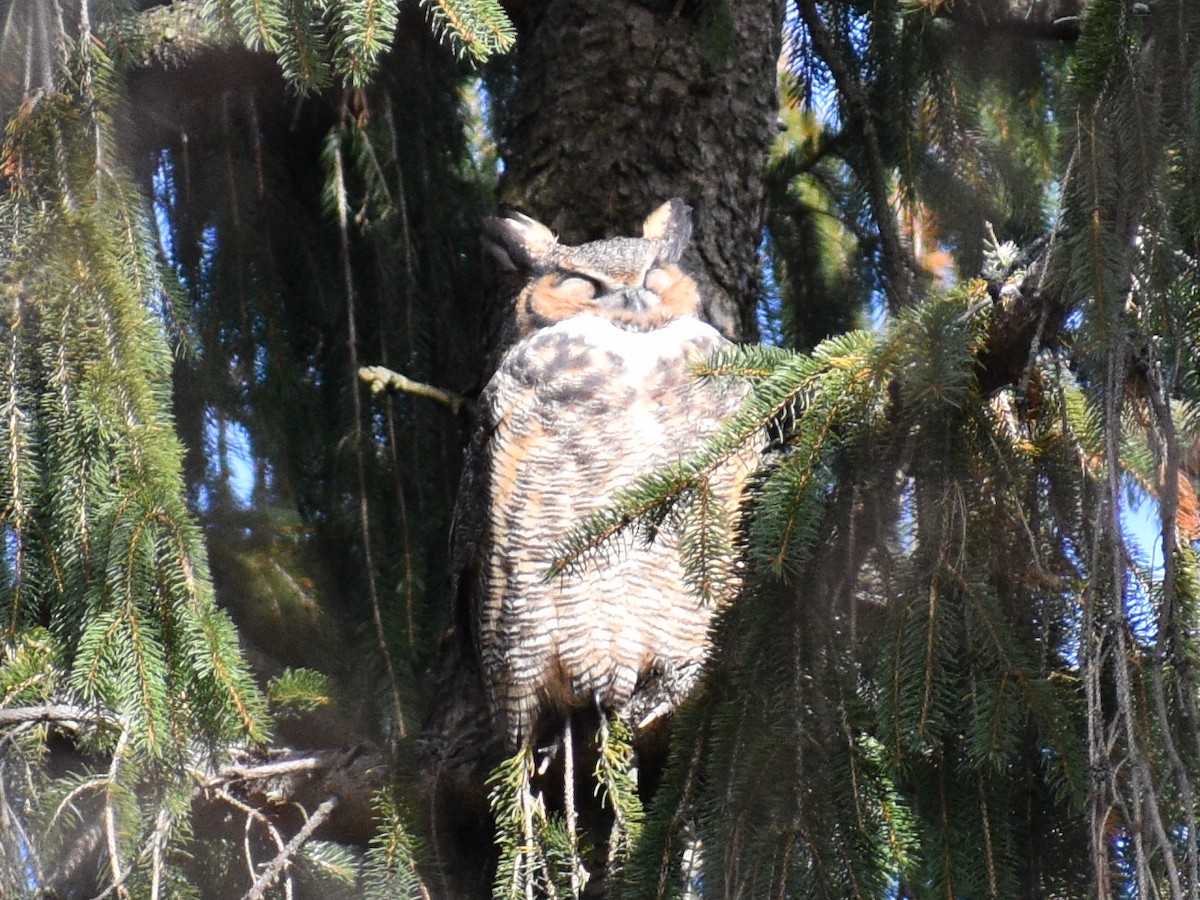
column 597, row 389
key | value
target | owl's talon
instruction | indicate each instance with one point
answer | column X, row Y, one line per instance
column 547, row 755
column 658, row 712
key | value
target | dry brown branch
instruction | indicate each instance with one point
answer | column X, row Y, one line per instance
column 289, row 766
column 274, row 791
column 252, row 815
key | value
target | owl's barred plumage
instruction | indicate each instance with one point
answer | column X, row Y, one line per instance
column 597, row 389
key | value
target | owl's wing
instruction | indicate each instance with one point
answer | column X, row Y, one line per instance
column 469, row 530
column 474, row 509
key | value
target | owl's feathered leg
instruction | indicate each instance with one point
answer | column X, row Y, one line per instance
column 547, row 754
column 664, row 691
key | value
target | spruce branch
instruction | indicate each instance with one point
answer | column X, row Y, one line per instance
column 618, row 786
column 390, row 867
column 173, row 35
column 476, row 28
column 651, row 496
column 365, row 29
column 182, row 33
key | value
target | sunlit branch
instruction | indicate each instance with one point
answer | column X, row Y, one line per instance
column 381, row 378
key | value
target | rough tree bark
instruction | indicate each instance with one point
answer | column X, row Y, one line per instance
column 621, row 105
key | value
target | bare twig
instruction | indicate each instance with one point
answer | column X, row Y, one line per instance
column 58, row 713
column 10, row 823
column 272, row 872
column 162, row 827
column 252, row 815
column 293, row 766
column 1167, row 449
column 381, row 378
column 119, row 874
column 285, row 778
column 569, row 805
column 360, row 440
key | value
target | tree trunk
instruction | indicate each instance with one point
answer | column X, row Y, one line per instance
column 621, row 105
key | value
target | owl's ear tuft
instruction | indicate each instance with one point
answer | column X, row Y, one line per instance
column 670, row 224
column 519, row 242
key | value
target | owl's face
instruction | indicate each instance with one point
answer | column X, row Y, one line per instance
column 634, row 283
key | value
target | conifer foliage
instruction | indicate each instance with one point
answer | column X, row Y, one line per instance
column 127, row 697
column 961, row 664
column 110, row 626
column 969, row 678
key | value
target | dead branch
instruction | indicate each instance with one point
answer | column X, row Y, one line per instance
column 381, row 378
column 67, row 715
column 273, row 790
column 272, row 872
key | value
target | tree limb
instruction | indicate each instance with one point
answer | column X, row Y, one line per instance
column 292, row 766
column 57, row 713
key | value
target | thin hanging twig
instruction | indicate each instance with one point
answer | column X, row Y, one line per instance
column 898, row 267
column 360, row 438
column 569, row 813
column 408, row 252
column 1168, row 625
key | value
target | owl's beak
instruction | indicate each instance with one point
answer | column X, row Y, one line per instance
column 635, row 300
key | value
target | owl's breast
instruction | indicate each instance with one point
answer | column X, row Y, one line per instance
column 598, row 390
column 580, row 410
column 588, row 359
